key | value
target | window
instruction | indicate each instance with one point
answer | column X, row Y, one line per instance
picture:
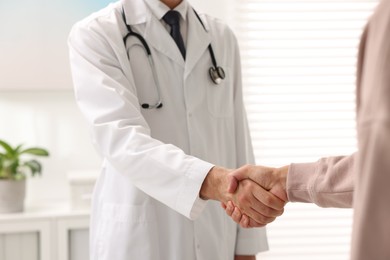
column 299, row 63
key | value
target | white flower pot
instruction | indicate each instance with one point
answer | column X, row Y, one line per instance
column 12, row 194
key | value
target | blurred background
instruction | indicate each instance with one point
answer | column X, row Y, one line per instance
column 298, row 58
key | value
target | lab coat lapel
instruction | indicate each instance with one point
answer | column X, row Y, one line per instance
column 198, row 40
column 156, row 35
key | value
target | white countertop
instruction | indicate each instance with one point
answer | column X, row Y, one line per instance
column 45, row 209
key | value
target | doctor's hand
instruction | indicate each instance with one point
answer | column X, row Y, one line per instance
column 260, row 205
column 271, row 179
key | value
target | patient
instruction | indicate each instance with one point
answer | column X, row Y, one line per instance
column 330, row 182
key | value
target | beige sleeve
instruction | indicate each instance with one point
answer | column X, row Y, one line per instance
column 327, row 182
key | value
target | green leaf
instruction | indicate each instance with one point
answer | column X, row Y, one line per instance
column 19, row 176
column 34, row 166
column 35, row 151
column 10, row 164
column 18, row 148
column 2, row 173
column 10, row 167
column 8, row 149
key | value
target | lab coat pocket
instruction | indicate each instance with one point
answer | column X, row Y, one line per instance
column 128, row 232
column 220, row 97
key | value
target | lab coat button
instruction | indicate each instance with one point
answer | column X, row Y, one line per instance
column 197, row 246
column 189, row 114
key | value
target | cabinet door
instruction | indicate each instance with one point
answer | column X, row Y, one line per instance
column 28, row 240
column 19, row 246
column 73, row 238
column 78, row 244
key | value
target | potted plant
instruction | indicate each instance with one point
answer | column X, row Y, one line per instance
column 13, row 172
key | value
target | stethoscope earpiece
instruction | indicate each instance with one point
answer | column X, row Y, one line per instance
column 217, row 75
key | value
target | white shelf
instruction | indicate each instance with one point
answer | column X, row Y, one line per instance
column 46, row 209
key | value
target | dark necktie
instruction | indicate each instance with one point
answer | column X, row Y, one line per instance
column 172, row 18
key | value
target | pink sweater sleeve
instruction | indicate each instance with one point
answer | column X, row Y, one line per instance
column 327, row 182
column 371, row 227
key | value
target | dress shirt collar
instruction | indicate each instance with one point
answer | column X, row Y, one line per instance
column 159, row 9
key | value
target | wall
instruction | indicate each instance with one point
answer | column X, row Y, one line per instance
column 48, row 116
column 49, row 119
column 218, row 8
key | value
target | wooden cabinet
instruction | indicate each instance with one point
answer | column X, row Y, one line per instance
column 73, row 238
column 45, row 232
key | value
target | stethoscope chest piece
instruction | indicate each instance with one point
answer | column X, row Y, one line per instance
column 217, row 75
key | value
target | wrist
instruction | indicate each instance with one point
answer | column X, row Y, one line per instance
column 215, row 185
column 281, row 176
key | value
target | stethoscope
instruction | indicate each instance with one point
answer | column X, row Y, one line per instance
column 217, row 73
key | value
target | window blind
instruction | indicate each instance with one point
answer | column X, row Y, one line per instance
column 299, row 63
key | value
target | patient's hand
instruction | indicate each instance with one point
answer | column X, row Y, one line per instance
column 264, row 208
column 260, row 205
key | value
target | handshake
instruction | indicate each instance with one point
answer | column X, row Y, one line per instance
column 252, row 196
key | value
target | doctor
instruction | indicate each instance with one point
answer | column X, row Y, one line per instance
column 161, row 92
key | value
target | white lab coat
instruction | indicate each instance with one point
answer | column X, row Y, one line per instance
column 146, row 202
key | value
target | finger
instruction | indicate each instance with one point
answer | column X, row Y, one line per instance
column 247, row 222
column 250, row 195
column 258, row 217
column 237, row 215
column 268, row 199
column 244, row 223
column 229, row 208
column 249, row 198
column 254, row 214
column 254, row 224
column 233, row 184
column 223, row 205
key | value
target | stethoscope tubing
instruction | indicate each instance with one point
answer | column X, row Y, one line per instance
column 217, row 74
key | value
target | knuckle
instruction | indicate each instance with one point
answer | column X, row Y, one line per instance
column 254, row 223
column 242, row 199
column 280, row 212
column 268, row 200
column 248, row 186
column 236, row 214
column 235, row 219
column 229, row 212
column 267, row 211
column 247, row 166
column 262, row 220
column 270, row 220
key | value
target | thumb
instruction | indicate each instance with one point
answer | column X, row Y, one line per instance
column 235, row 176
column 241, row 173
column 280, row 193
column 233, row 184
